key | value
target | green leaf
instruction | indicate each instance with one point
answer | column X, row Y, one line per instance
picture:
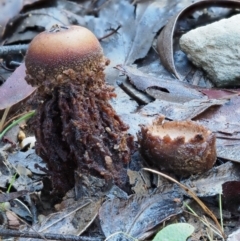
column 175, row 232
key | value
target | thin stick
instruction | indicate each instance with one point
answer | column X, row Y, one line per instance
column 48, row 236
column 28, row 225
column 4, row 118
column 108, row 35
column 13, row 49
column 193, row 195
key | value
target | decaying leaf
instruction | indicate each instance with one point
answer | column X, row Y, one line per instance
column 30, row 160
column 138, row 215
column 126, row 108
column 138, row 28
column 15, row 91
column 175, row 89
column 228, row 149
column 13, row 220
column 210, row 183
column 147, row 26
column 25, row 26
column 224, row 121
column 72, row 220
column 220, row 93
column 140, row 181
column 10, row 9
column 165, row 39
column 234, row 236
column 178, row 111
column 7, row 170
column 5, row 197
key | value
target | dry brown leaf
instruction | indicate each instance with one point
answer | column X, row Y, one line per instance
column 139, row 215
column 15, row 91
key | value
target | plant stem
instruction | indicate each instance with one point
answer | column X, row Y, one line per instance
column 24, row 117
column 11, row 183
column 220, row 208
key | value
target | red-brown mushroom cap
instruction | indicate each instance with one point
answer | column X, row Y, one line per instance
column 52, row 52
column 183, row 147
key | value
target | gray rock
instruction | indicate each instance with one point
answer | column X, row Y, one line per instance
column 216, row 49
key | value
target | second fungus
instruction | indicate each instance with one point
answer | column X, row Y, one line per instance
column 183, row 147
column 76, row 128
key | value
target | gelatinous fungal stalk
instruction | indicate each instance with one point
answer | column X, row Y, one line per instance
column 183, row 147
column 76, row 127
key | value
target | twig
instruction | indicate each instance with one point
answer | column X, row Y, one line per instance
column 25, row 234
column 4, row 117
column 13, row 49
column 28, row 225
column 112, row 32
column 15, row 63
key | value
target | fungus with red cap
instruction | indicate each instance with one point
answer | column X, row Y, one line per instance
column 75, row 126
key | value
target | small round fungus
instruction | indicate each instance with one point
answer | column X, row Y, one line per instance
column 183, row 147
column 52, row 52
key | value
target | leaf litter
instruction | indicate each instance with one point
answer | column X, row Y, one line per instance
column 135, row 40
column 144, row 214
column 15, row 91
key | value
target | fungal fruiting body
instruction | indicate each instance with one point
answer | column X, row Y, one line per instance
column 183, row 147
column 76, row 128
